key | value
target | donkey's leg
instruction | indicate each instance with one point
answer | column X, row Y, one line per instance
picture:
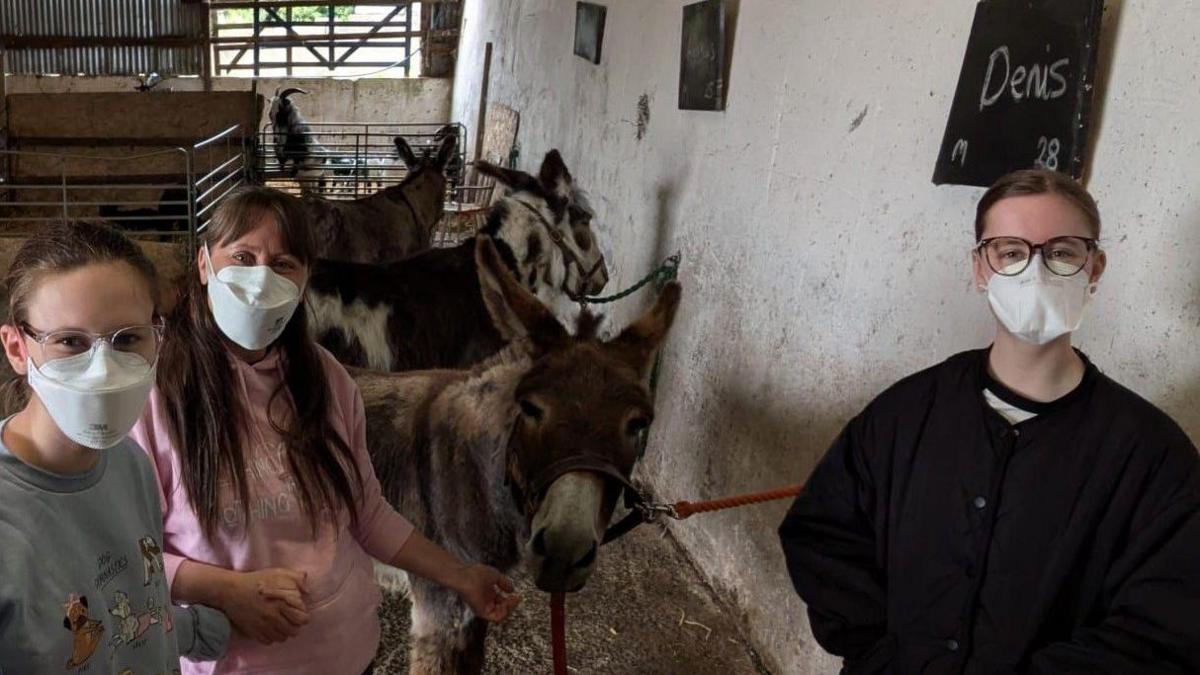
column 437, row 617
column 473, row 637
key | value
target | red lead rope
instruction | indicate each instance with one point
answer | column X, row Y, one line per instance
column 558, row 631
column 679, row 511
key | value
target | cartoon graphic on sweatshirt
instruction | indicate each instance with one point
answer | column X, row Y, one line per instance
column 151, row 558
column 131, row 626
column 160, row 615
column 87, row 630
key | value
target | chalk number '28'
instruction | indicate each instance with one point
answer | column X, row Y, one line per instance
column 1048, row 153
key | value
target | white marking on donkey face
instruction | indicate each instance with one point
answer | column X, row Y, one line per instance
column 551, row 267
column 367, row 325
column 567, row 530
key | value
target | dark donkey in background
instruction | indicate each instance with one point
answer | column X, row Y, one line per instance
column 391, row 224
column 427, row 312
column 522, row 458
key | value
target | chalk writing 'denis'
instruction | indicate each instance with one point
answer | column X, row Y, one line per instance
column 1021, row 83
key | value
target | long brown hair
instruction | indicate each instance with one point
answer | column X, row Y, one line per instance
column 1038, row 182
column 208, row 420
column 59, row 248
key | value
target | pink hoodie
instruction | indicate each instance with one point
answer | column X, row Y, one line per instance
column 343, row 597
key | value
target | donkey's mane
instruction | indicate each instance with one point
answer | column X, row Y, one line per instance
column 511, row 355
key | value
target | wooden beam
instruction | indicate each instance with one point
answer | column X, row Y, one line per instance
column 6, row 160
column 108, row 141
column 19, row 42
column 251, row 4
column 321, row 37
column 319, row 43
column 300, row 24
column 187, row 114
column 280, row 65
column 101, row 180
column 288, row 28
column 483, row 100
column 206, row 61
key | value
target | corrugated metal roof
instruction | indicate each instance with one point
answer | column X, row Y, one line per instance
column 104, row 18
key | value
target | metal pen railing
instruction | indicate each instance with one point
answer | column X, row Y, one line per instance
column 349, row 161
column 39, row 187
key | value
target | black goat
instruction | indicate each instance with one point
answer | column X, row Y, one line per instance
column 295, row 144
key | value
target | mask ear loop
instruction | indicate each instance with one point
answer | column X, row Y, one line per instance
column 208, row 266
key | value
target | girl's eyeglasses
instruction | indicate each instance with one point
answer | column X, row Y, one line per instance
column 60, row 344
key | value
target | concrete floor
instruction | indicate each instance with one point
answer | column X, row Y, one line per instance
column 645, row 610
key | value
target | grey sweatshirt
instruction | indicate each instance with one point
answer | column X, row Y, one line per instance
column 81, row 573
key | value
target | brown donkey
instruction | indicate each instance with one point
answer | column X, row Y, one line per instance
column 522, row 458
column 391, row 224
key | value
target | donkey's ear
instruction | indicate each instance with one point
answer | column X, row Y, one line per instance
column 516, row 181
column 638, row 342
column 405, row 153
column 554, row 177
column 516, row 313
column 446, row 151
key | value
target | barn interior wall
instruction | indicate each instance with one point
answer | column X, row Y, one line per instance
column 369, row 100
column 819, row 262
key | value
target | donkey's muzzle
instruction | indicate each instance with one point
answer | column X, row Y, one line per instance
column 565, row 565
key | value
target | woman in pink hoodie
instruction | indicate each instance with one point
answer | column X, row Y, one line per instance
column 272, row 511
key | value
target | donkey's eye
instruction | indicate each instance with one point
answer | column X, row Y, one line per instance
column 637, row 425
column 531, row 410
column 583, row 239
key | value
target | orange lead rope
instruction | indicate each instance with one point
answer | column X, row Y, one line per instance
column 687, row 509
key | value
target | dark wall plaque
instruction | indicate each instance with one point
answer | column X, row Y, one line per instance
column 702, row 63
column 1024, row 94
column 589, row 30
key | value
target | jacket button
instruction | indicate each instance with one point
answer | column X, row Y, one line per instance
column 952, row 645
column 979, row 503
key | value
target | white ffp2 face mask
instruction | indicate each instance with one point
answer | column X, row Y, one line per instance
column 95, row 397
column 251, row 305
column 1038, row 306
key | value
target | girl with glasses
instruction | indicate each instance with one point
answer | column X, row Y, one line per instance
column 82, row 584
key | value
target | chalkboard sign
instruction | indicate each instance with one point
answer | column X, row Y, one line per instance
column 1025, row 91
column 702, row 63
